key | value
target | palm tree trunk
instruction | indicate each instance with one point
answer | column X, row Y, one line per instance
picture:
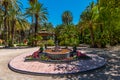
column 5, row 26
column 92, row 35
column 9, row 32
column 13, row 31
column 8, row 29
column 101, row 28
column 36, row 28
column 32, row 25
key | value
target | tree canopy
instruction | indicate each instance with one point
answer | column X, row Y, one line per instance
column 99, row 23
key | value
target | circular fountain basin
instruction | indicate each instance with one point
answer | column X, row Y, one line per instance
column 61, row 54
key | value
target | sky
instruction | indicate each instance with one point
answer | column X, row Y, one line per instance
column 55, row 9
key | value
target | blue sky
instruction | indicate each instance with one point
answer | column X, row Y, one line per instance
column 57, row 7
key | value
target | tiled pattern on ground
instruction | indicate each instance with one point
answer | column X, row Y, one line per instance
column 110, row 72
column 56, row 68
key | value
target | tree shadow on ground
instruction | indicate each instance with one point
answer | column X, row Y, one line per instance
column 111, row 71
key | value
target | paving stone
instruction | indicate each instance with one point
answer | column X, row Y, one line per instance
column 19, row 64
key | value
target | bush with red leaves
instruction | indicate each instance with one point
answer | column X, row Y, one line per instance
column 82, row 55
column 36, row 54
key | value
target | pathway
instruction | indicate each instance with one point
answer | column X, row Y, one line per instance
column 110, row 72
column 6, row 74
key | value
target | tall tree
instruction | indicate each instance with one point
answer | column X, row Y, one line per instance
column 39, row 13
column 5, row 4
column 88, row 17
column 109, row 17
column 12, row 15
column 67, row 35
column 30, row 13
column 18, row 20
column 67, row 17
column 48, row 26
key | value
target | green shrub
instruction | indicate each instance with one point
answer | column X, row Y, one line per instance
column 10, row 43
column 21, row 44
column 50, row 42
column 32, row 40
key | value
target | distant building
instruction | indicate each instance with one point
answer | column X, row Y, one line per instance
column 46, row 35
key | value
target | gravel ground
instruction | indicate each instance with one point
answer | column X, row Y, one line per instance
column 110, row 72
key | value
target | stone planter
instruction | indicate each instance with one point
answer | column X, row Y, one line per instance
column 58, row 56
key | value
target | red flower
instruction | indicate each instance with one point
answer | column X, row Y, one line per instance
column 80, row 54
column 35, row 54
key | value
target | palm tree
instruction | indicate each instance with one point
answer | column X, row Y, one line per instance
column 18, row 20
column 22, row 29
column 5, row 4
column 30, row 13
column 67, row 17
column 88, row 18
column 1, row 20
column 48, row 26
column 38, row 12
column 12, row 15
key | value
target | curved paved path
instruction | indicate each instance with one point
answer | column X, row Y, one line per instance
column 6, row 74
column 36, row 67
column 110, row 72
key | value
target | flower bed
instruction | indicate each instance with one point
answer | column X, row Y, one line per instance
column 46, row 57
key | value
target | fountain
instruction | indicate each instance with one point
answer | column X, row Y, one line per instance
column 57, row 53
column 56, row 60
column 57, row 48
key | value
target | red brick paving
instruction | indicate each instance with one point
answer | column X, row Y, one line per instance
column 59, row 68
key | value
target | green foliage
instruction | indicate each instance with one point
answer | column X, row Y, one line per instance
column 38, row 13
column 21, row 44
column 50, row 42
column 12, row 21
column 48, row 27
column 109, row 16
column 67, row 17
column 67, row 35
column 44, row 57
column 38, row 38
column 100, row 23
column 10, row 43
column 32, row 40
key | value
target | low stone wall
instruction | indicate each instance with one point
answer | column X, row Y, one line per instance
column 58, row 56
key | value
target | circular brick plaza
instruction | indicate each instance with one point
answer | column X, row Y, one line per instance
column 18, row 64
